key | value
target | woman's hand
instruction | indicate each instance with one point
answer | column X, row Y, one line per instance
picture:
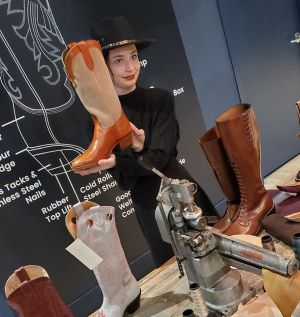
column 138, row 138
column 102, row 165
column 108, row 163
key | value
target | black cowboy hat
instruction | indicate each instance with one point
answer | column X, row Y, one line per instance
column 115, row 32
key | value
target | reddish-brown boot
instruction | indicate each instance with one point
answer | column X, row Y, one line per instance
column 86, row 69
column 240, row 136
column 33, row 295
column 214, row 151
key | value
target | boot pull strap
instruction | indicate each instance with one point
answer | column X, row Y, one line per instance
column 66, row 50
column 22, row 274
column 74, row 214
column 15, row 280
column 71, row 45
column 86, row 55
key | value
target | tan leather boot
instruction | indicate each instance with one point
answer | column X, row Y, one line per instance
column 214, row 151
column 240, row 136
column 86, row 69
column 264, row 304
column 284, row 290
column 96, row 227
column 30, row 292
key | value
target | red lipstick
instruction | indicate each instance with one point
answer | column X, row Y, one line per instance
column 131, row 77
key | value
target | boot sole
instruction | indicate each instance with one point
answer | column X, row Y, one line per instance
column 134, row 305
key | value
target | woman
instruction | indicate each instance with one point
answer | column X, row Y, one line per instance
column 155, row 133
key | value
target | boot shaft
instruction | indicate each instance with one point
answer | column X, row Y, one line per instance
column 239, row 123
column 37, row 298
column 215, row 153
column 96, row 227
column 87, row 70
column 240, row 136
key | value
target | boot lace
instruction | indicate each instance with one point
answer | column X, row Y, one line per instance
column 241, row 214
column 248, row 128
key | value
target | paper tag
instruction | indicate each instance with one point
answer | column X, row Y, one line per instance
column 84, row 254
column 280, row 197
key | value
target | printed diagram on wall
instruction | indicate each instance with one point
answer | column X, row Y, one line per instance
column 41, row 37
column 41, row 108
column 26, row 80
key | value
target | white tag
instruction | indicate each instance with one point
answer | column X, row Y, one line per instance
column 84, row 254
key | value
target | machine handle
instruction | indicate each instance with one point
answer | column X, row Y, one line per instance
column 149, row 167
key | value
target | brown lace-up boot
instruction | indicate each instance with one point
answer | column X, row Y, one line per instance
column 214, row 151
column 240, row 136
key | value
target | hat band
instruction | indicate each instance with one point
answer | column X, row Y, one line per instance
column 118, row 44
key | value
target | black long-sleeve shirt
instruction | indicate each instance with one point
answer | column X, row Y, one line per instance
column 153, row 111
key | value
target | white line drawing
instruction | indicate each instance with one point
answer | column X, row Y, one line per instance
column 41, row 36
column 39, row 30
column 70, row 182
column 61, row 188
column 15, row 95
column 12, row 121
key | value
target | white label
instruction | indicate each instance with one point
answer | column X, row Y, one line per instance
column 84, row 254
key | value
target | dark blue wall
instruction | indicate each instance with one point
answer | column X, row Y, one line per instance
column 267, row 70
column 240, row 51
column 206, row 48
column 203, row 37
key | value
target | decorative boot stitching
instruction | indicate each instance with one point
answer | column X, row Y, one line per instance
column 241, row 213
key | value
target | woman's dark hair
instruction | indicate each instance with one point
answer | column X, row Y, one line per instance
column 105, row 55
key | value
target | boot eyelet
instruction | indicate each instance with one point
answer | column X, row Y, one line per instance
column 90, row 222
column 109, row 217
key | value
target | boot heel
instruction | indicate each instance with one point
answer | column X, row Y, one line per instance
column 134, row 305
column 126, row 142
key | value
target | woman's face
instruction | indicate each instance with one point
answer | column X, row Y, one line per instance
column 124, row 65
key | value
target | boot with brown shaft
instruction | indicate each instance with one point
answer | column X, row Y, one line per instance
column 240, row 136
column 30, row 292
column 214, row 151
column 86, row 69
